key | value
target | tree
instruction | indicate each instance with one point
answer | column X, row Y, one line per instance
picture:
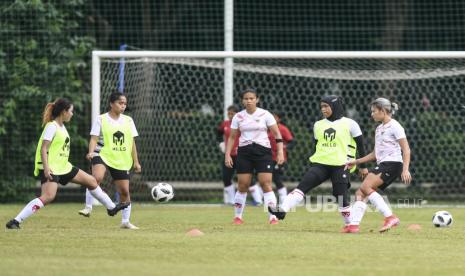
column 43, row 57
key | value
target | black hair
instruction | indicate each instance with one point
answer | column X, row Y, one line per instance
column 114, row 97
column 233, row 108
column 248, row 90
column 53, row 110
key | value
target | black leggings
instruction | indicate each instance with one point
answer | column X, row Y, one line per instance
column 228, row 173
column 318, row 173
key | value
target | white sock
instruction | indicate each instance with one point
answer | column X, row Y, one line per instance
column 256, row 193
column 270, row 200
column 89, row 199
column 358, row 210
column 239, row 204
column 346, row 214
column 292, row 199
column 229, row 193
column 126, row 214
column 32, row 207
column 282, row 194
column 102, row 197
column 378, row 201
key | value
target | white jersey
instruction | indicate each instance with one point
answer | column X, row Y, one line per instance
column 253, row 127
column 387, row 147
column 97, row 129
column 354, row 127
column 50, row 131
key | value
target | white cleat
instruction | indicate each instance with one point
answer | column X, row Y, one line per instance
column 85, row 212
column 128, row 225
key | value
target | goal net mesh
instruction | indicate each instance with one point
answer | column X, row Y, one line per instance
column 177, row 104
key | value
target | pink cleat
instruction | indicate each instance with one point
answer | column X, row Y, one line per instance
column 350, row 229
column 238, row 221
column 389, row 223
column 274, row 221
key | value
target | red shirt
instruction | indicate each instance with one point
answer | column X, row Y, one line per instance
column 225, row 128
column 287, row 137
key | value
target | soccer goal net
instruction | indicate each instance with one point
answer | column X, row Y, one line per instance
column 177, row 100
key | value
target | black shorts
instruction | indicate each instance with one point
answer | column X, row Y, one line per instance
column 115, row 174
column 318, row 173
column 336, row 174
column 254, row 157
column 389, row 171
column 63, row 179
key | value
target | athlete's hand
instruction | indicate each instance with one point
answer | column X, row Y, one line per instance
column 280, row 158
column 137, row 168
column 90, row 155
column 350, row 164
column 406, row 177
column 48, row 174
column 363, row 172
column 228, row 162
column 222, row 147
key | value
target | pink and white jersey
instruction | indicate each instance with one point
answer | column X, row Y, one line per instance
column 253, row 127
column 387, row 147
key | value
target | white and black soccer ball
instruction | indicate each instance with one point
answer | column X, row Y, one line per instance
column 162, row 192
column 442, row 219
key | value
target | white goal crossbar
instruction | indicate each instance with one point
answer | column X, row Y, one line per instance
column 229, row 67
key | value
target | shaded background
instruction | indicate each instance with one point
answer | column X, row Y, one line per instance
column 45, row 51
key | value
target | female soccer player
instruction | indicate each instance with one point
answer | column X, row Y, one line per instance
column 254, row 152
column 335, row 140
column 288, row 143
column 392, row 155
column 52, row 166
column 117, row 151
column 223, row 131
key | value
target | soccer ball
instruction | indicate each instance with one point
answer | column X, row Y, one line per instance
column 442, row 219
column 162, row 192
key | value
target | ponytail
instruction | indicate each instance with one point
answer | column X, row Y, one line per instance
column 394, row 108
column 47, row 116
column 53, row 110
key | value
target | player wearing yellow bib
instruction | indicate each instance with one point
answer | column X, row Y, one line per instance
column 52, row 165
column 112, row 146
column 336, row 139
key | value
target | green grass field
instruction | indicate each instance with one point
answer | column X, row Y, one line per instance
column 56, row 241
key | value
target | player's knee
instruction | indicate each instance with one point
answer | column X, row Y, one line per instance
column 98, row 180
column 365, row 190
column 359, row 195
column 92, row 183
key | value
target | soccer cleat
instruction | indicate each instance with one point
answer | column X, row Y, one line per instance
column 238, row 221
column 277, row 212
column 120, row 206
column 351, row 228
column 85, row 212
column 128, row 225
column 274, row 221
column 13, row 224
column 389, row 222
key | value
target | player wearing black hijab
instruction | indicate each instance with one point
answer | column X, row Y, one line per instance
column 337, row 140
